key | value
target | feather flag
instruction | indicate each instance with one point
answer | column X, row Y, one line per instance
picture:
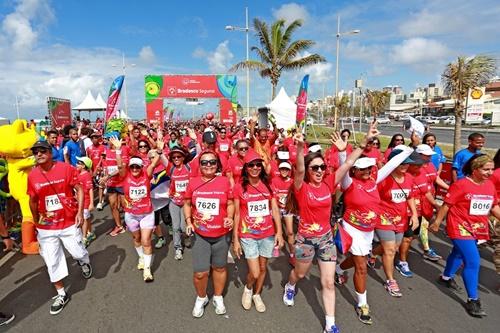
column 114, row 93
column 302, row 104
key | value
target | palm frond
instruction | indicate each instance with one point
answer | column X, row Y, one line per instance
column 264, row 57
column 289, row 31
column 303, row 62
column 250, row 64
column 294, row 49
column 262, row 33
column 276, row 36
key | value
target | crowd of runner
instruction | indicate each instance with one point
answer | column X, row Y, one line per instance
column 255, row 191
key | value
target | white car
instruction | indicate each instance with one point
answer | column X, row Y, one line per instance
column 383, row 120
column 449, row 121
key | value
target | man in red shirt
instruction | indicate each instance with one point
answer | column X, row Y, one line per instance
column 58, row 217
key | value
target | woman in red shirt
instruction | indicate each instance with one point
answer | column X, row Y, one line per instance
column 209, row 211
column 313, row 190
column 235, row 163
column 467, row 205
column 257, row 227
column 136, row 202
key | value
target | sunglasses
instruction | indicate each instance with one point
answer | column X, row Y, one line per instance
column 223, row 132
column 243, row 148
column 208, row 162
column 252, row 165
column 316, row 168
column 40, row 150
column 399, row 140
column 136, row 167
column 143, row 146
column 177, row 157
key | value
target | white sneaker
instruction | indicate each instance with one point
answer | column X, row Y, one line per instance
column 140, row 263
column 246, row 298
column 199, row 306
column 259, row 304
column 218, row 302
column 178, row 254
column 99, row 206
column 147, row 275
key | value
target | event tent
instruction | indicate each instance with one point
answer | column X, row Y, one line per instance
column 100, row 101
column 284, row 110
column 89, row 104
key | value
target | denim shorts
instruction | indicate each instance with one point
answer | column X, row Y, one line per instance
column 114, row 189
column 323, row 248
column 254, row 248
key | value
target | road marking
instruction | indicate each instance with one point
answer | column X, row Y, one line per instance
column 6, row 257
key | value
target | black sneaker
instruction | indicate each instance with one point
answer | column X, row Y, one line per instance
column 59, row 304
column 450, row 284
column 5, row 318
column 474, row 308
column 364, row 314
column 86, row 269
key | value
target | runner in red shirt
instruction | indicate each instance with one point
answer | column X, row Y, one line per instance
column 96, row 153
column 257, row 227
column 84, row 166
column 209, row 211
column 467, row 205
column 58, row 217
column 139, row 214
column 314, row 238
column 224, row 145
column 235, row 163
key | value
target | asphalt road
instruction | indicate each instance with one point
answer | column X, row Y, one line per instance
column 116, row 299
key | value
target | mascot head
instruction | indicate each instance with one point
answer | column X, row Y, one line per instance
column 17, row 139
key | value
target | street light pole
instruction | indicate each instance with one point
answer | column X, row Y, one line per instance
column 124, row 66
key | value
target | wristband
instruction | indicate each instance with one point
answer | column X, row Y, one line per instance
column 5, row 237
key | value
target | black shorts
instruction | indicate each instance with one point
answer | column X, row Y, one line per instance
column 411, row 233
column 113, row 189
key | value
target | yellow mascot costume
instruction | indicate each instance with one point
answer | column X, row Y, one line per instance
column 16, row 141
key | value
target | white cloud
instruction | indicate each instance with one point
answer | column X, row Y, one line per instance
column 291, row 12
column 420, row 50
column 147, row 55
column 219, row 61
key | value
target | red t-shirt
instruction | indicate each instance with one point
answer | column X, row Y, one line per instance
column 209, row 205
column 394, row 203
column 275, row 171
column 85, row 179
column 314, row 208
column 224, row 147
column 362, row 202
column 256, row 220
column 235, row 165
column 431, row 173
column 137, row 194
column 94, row 153
column 421, row 185
column 179, row 180
column 280, row 188
column 495, row 179
column 62, row 177
column 112, row 166
column 470, row 205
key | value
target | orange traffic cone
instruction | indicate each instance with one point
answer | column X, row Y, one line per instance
column 28, row 234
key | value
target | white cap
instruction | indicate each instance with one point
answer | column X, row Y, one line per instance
column 314, row 148
column 425, row 150
column 283, row 155
column 135, row 161
column 285, row 165
column 364, row 162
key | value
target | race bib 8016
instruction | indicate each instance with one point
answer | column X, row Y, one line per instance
column 480, row 206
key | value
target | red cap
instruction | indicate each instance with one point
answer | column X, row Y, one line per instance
column 252, row 156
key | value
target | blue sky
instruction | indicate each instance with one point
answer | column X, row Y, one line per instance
column 64, row 48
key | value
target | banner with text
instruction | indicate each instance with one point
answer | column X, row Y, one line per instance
column 59, row 111
column 302, row 104
column 475, row 105
column 114, row 93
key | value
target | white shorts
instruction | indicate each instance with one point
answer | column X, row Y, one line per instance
column 361, row 240
column 142, row 221
column 86, row 214
column 53, row 253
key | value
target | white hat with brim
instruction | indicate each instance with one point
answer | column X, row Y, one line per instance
column 364, row 162
column 283, row 155
column 285, row 165
column 135, row 161
column 314, row 148
column 425, row 150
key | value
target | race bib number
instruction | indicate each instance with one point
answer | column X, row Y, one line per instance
column 52, row 203
column 480, row 206
column 208, row 206
column 137, row 193
column 112, row 169
column 180, row 186
column 282, row 199
column 224, row 147
column 399, row 196
column 258, row 208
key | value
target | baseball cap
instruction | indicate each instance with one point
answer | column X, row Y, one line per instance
column 86, row 161
column 364, row 162
column 209, row 137
column 425, row 150
column 283, row 155
column 416, row 159
column 136, row 161
column 252, row 156
column 314, row 147
column 177, row 149
column 396, row 152
column 285, row 165
column 42, row 144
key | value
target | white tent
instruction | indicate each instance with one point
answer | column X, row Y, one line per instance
column 100, row 101
column 284, row 110
column 89, row 104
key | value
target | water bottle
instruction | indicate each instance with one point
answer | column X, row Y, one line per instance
column 276, row 251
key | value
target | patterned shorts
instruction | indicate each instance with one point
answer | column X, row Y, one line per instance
column 323, row 248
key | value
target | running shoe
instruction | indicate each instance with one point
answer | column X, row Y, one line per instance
column 147, row 275
column 59, row 304
column 431, row 255
column 364, row 316
column 333, row 329
column 170, row 230
column 86, row 269
column 246, row 298
column 289, row 295
column 392, row 288
column 199, row 307
column 474, row 308
column 372, row 260
column 188, row 243
column 404, row 269
column 341, row 279
column 140, row 263
column 6, row 319
column 218, row 302
column 116, row 231
column 259, row 304
column 160, row 243
column 178, row 254
column 99, row 206
column 91, row 236
column 450, row 284
column 86, row 242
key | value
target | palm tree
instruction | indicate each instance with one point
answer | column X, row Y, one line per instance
column 377, row 101
column 342, row 104
column 277, row 51
column 460, row 76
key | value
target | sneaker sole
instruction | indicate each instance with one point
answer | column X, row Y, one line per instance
column 7, row 322
column 202, row 311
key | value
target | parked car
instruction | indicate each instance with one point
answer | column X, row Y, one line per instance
column 383, row 120
column 449, row 121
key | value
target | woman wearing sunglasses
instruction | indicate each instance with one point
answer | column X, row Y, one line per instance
column 314, row 239
column 235, row 163
column 142, row 151
column 362, row 213
column 257, row 227
column 209, row 210
column 139, row 214
column 396, row 140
